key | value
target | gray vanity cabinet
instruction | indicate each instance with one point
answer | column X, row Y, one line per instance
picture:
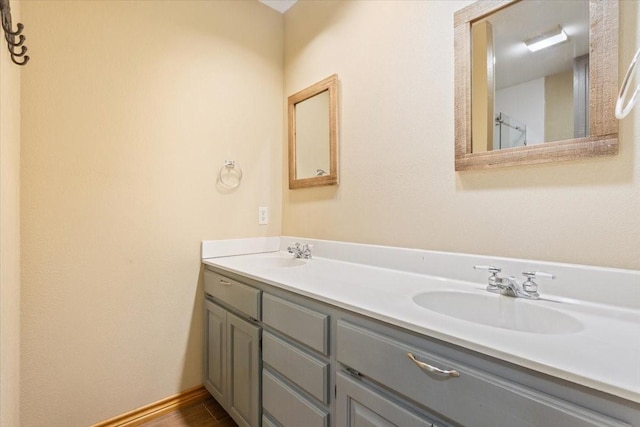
column 323, row 366
column 232, row 348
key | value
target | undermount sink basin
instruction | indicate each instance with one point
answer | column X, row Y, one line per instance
column 499, row 311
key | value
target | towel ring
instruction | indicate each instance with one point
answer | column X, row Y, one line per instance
column 228, row 171
column 621, row 112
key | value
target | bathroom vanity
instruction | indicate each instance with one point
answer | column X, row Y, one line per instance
column 356, row 340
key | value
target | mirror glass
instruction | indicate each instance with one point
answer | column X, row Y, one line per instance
column 539, row 94
column 519, row 104
column 313, row 136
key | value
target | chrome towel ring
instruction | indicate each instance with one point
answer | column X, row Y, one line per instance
column 230, row 175
column 621, row 112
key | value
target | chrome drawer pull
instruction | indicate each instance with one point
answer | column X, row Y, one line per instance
column 224, row 282
column 432, row 369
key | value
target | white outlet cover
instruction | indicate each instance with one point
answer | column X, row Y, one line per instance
column 263, row 215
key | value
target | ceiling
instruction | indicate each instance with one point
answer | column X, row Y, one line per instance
column 280, row 5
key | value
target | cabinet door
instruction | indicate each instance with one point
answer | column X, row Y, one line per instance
column 215, row 359
column 243, row 371
column 361, row 406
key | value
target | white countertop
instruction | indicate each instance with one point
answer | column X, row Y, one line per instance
column 603, row 355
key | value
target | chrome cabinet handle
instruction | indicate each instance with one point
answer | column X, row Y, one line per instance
column 224, row 282
column 432, row 369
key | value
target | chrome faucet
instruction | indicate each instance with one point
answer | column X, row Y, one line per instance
column 509, row 286
column 300, row 251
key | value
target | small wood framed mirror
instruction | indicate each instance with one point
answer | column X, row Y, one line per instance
column 525, row 97
column 313, row 139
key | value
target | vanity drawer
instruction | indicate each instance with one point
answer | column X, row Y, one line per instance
column 288, row 407
column 237, row 295
column 304, row 370
column 300, row 323
column 474, row 398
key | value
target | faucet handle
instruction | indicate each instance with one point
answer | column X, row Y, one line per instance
column 494, row 280
column 294, row 248
column 538, row 275
column 531, row 287
column 491, row 269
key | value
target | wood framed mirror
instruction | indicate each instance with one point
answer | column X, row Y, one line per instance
column 492, row 42
column 313, row 139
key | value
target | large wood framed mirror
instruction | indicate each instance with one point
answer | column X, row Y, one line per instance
column 313, row 138
column 515, row 105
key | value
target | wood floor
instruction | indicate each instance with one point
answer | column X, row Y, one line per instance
column 205, row 414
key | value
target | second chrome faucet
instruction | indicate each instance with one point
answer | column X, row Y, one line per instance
column 509, row 286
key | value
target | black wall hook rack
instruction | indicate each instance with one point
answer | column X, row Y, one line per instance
column 15, row 39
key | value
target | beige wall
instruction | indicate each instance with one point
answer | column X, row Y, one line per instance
column 9, row 236
column 129, row 110
column 397, row 181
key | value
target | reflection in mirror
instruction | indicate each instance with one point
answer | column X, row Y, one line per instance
column 530, row 75
column 520, row 103
column 313, row 136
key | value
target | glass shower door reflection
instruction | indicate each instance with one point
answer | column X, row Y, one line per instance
column 509, row 132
